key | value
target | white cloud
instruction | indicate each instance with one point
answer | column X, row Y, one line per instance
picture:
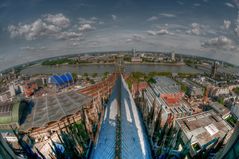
column 196, row 29
column 75, row 44
column 153, row 18
column 69, row 36
column 227, row 24
column 50, row 25
column 32, row 31
column 92, row 20
column 30, row 48
column 53, row 26
column 229, row 5
column 151, row 32
column 167, row 15
column 237, row 25
column 219, row 42
column 135, row 38
column 85, row 27
column 58, row 20
column 159, row 32
column 114, row 17
column 237, row 30
column 196, row 4
column 101, row 22
column 162, row 32
column 180, row 2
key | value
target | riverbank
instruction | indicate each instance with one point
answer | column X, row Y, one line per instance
column 128, row 63
column 102, row 68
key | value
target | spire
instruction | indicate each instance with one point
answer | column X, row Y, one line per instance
column 186, row 148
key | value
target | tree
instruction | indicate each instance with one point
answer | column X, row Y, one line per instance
column 236, row 90
column 94, row 75
column 220, row 100
column 106, row 74
column 74, row 75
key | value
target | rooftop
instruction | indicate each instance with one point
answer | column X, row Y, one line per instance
column 9, row 112
column 105, row 146
column 134, row 139
column 59, row 80
column 190, row 83
column 165, row 85
column 204, row 127
column 54, row 107
column 219, row 108
column 134, row 142
column 180, row 108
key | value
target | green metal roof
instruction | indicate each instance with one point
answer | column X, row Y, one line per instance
column 12, row 116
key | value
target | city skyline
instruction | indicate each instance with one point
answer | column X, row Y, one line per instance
column 88, row 79
column 37, row 29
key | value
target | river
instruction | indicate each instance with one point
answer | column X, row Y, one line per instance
column 101, row 68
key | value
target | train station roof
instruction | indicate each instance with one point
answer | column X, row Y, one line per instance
column 9, row 112
column 50, row 108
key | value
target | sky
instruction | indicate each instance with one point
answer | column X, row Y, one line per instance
column 36, row 29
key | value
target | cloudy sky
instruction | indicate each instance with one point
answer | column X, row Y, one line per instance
column 34, row 29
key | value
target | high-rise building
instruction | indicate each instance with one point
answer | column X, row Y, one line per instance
column 134, row 52
column 12, row 90
column 214, row 69
column 173, row 56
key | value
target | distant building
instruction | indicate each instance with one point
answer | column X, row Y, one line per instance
column 136, row 59
column 160, row 59
column 214, row 69
column 15, row 89
column 30, row 88
column 173, row 56
column 5, row 96
column 12, row 90
column 11, row 114
column 217, row 91
column 220, row 109
column 41, row 82
column 167, row 89
column 134, row 52
column 138, row 87
column 164, row 95
column 194, row 89
column 204, row 128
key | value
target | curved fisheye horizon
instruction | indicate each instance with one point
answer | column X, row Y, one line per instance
column 119, row 79
column 36, row 29
column 40, row 60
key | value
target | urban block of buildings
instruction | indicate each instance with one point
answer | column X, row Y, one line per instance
column 204, row 128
